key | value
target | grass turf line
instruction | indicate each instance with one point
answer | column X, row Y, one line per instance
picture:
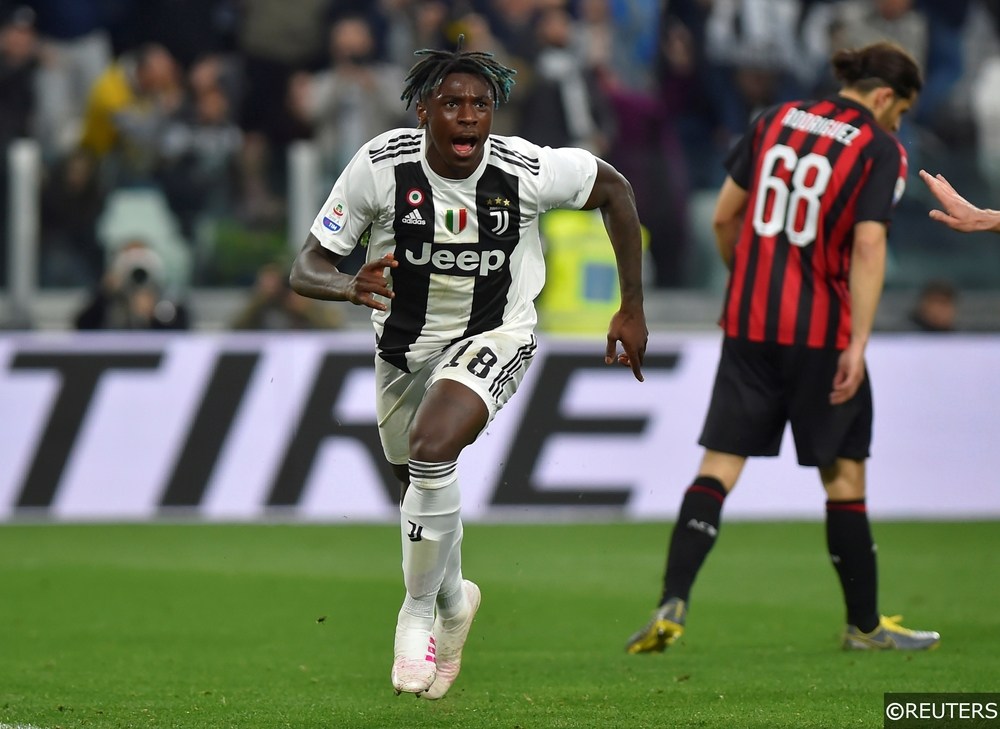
column 187, row 626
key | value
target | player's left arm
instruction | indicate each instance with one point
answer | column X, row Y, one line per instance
column 613, row 195
column 867, row 275
column 874, row 206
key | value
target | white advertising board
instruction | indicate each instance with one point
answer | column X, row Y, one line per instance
column 241, row 427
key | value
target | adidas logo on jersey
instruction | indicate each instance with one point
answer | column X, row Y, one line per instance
column 414, row 218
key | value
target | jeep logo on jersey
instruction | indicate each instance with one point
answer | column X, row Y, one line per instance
column 457, row 260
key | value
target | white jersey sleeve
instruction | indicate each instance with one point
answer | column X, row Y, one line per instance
column 350, row 208
column 567, row 177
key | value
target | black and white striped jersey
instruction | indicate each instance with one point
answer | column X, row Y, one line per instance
column 470, row 257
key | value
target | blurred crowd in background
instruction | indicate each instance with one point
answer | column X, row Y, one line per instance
column 182, row 114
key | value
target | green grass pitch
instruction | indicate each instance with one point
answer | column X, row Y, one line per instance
column 179, row 626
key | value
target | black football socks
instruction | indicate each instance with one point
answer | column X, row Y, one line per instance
column 852, row 551
column 693, row 536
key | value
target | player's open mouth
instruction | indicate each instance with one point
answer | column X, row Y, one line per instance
column 465, row 145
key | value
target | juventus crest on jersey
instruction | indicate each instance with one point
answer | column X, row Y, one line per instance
column 469, row 252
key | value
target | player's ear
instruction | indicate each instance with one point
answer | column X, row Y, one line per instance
column 421, row 115
column 884, row 98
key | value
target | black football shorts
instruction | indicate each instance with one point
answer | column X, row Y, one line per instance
column 760, row 386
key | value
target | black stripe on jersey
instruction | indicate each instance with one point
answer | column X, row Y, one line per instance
column 749, row 284
column 410, row 283
column 404, row 144
column 839, row 207
column 499, row 154
column 500, row 145
column 395, row 142
column 392, row 155
column 832, row 320
column 498, row 212
column 803, row 313
column 524, row 354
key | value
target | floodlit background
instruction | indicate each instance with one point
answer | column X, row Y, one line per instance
column 197, row 528
column 194, row 140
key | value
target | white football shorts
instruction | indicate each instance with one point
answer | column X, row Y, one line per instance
column 491, row 364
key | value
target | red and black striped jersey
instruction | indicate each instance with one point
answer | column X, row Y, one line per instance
column 813, row 170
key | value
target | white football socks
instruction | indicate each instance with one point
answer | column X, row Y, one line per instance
column 431, row 530
column 451, row 597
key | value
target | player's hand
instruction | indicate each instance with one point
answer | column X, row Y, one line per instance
column 370, row 282
column 629, row 328
column 958, row 214
column 849, row 376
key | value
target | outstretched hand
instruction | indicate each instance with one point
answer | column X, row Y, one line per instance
column 958, row 214
column 629, row 328
column 370, row 282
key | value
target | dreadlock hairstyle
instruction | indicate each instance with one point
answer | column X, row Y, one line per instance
column 428, row 73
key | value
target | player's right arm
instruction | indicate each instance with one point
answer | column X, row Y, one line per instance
column 315, row 274
column 734, row 195
column 345, row 219
column 728, row 219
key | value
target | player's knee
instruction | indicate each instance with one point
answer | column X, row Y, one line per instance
column 433, row 448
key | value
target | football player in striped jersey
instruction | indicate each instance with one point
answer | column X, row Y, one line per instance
column 449, row 213
column 802, row 222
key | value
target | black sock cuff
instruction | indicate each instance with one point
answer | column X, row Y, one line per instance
column 709, row 485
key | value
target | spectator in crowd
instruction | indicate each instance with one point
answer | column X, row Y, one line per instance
column 754, row 54
column 189, row 29
column 986, row 113
column 648, row 149
column 76, row 49
column 413, row 24
column 736, row 57
column 275, row 42
column 72, row 202
column 936, row 307
column 18, row 62
column 856, row 23
column 512, row 25
column 564, row 106
column 132, row 295
column 127, row 110
column 273, row 305
column 200, row 151
column 634, row 28
column 945, row 65
column 357, row 95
